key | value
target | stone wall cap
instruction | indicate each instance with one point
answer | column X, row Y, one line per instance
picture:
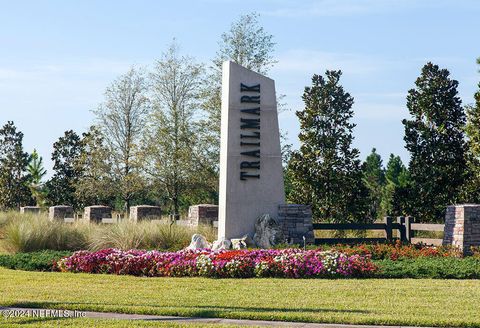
column 144, row 206
column 98, row 206
column 60, row 206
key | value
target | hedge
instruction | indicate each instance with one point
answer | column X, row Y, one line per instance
column 34, row 261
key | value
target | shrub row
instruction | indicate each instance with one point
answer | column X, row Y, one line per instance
column 434, row 268
column 35, row 261
column 286, row 263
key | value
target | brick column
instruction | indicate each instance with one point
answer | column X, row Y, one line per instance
column 296, row 222
column 145, row 212
column 30, row 209
column 60, row 212
column 205, row 214
column 96, row 213
column 462, row 226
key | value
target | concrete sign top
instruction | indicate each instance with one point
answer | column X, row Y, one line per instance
column 251, row 175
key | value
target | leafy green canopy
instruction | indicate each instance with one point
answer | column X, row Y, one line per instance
column 434, row 136
column 66, row 153
column 325, row 171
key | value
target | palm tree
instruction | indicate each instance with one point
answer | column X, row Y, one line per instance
column 36, row 172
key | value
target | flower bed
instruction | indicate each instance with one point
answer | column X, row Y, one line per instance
column 285, row 263
column 397, row 251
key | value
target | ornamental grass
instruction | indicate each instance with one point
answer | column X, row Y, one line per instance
column 21, row 233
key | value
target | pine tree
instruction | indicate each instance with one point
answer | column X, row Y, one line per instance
column 434, row 137
column 396, row 172
column 13, row 164
column 395, row 199
column 374, row 179
column 66, row 153
column 36, row 172
column 326, row 170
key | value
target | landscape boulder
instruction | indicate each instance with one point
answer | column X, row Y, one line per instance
column 221, row 244
column 199, row 242
column 242, row 243
column 268, row 232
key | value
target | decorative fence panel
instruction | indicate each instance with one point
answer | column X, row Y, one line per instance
column 405, row 226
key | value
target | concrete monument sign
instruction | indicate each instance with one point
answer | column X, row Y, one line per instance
column 251, row 176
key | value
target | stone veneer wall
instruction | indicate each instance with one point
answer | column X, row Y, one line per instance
column 30, row 209
column 202, row 214
column 97, row 213
column 296, row 222
column 462, row 226
column 60, row 212
column 145, row 212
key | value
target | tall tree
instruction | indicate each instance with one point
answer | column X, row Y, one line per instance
column 95, row 185
column 66, row 153
column 396, row 197
column 435, row 139
column 122, row 118
column 326, row 170
column 246, row 43
column 13, row 164
column 36, row 172
column 176, row 154
column 471, row 190
column 374, row 179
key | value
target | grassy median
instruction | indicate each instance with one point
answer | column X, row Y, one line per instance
column 367, row 301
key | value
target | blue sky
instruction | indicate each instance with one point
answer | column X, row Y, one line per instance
column 57, row 57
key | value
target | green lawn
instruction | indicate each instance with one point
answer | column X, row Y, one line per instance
column 368, row 301
column 99, row 323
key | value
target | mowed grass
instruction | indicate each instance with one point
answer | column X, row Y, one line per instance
column 99, row 323
column 367, row 301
